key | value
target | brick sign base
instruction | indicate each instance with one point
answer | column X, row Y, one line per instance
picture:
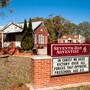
column 41, row 75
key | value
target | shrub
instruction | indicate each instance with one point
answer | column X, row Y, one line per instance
column 27, row 41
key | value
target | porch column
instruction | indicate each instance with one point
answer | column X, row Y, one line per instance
column 2, row 40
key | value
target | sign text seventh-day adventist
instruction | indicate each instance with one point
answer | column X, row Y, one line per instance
column 68, row 49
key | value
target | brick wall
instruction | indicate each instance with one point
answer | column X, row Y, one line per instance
column 32, row 72
column 43, row 32
column 42, row 75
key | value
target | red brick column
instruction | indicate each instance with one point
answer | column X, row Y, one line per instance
column 41, row 75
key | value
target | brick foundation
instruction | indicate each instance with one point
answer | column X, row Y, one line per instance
column 41, row 75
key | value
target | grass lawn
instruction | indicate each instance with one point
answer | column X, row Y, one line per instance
column 14, row 71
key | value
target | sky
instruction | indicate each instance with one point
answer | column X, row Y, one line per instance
column 76, row 11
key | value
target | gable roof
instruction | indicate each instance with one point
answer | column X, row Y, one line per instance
column 12, row 28
column 34, row 24
column 72, row 36
column 18, row 27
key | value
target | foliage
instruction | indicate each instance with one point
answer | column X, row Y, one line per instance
column 37, row 19
column 4, row 3
column 84, row 29
column 57, row 26
column 25, row 26
column 49, row 26
column 23, row 35
column 27, row 41
column 30, row 27
column 30, row 35
column 70, row 28
column 87, row 40
column 26, row 44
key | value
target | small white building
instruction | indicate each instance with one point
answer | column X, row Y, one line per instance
column 72, row 38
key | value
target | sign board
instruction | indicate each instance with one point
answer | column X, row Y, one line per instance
column 56, row 50
column 69, row 65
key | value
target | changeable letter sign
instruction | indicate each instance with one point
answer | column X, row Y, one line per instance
column 69, row 65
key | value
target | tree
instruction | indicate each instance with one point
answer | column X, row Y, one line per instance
column 24, row 35
column 84, row 29
column 30, row 35
column 37, row 19
column 52, row 35
column 3, row 5
column 30, row 27
column 87, row 40
column 58, row 26
column 55, row 27
column 27, row 41
column 25, row 26
column 70, row 28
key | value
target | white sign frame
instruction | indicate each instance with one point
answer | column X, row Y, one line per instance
column 79, row 64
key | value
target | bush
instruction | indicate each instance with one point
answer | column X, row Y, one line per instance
column 27, row 41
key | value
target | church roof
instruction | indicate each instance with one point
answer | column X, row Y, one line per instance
column 18, row 27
